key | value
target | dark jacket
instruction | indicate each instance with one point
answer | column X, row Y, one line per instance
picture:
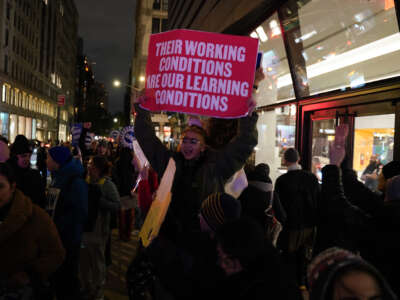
column 255, row 201
column 29, row 182
column 72, row 206
column 383, row 245
column 341, row 224
column 359, row 195
column 298, row 192
column 195, row 179
column 29, row 241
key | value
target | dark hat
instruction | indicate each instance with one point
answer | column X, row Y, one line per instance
column 60, row 154
column 259, row 173
column 219, row 208
column 102, row 143
column 391, row 169
column 323, row 271
column 291, row 155
column 393, row 189
column 21, row 145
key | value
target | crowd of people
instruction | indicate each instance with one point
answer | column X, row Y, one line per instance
column 56, row 218
column 333, row 240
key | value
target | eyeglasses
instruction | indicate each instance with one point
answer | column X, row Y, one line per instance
column 192, row 141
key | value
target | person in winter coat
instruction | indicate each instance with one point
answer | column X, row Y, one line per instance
column 30, row 247
column 199, row 171
column 298, row 191
column 341, row 223
column 383, row 245
column 124, row 176
column 337, row 274
column 259, row 201
column 70, row 216
column 93, row 264
column 358, row 194
column 29, row 181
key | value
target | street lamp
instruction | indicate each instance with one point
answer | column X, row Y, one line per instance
column 115, row 120
column 117, row 83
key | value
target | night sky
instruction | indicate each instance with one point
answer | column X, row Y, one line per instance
column 106, row 27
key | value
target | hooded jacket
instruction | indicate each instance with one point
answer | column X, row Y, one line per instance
column 72, row 206
column 29, row 241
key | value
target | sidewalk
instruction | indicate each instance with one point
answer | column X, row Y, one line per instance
column 122, row 254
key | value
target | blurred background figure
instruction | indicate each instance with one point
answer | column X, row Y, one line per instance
column 28, row 180
column 30, row 247
column 371, row 172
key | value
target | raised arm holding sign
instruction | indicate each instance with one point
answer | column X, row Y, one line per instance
column 200, row 170
column 200, row 73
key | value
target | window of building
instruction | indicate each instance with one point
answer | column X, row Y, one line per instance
column 6, row 37
column 157, row 4
column 164, row 5
column 6, row 64
column 4, row 93
column 276, row 133
column 274, row 63
column 164, row 25
column 155, row 27
column 340, row 44
column 8, row 10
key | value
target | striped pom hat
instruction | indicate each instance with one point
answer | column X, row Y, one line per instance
column 219, row 208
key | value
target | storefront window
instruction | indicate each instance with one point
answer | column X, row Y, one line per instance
column 339, row 44
column 62, row 133
column 323, row 133
column 34, row 129
column 274, row 63
column 276, row 133
column 13, row 127
column 4, row 124
column 4, row 93
column 373, row 146
column 21, row 125
column 28, row 128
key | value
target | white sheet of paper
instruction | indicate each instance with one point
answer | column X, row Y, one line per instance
column 140, row 154
column 236, row 184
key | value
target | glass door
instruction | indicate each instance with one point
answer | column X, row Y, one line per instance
column 370, row 143
column 323, row 128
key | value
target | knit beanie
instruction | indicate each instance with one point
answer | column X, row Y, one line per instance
column 391, row 169
column 20, row 146
column 291, row 155
column 60, row 154
column 219, row 208
column 259, row 173
column 393, row 189
column 323, row 269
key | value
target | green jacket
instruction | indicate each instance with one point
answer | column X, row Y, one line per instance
column 195, row 180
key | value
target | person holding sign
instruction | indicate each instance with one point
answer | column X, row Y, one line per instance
column 200, row 171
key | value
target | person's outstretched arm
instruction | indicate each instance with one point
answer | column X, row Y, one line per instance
column 156, row 153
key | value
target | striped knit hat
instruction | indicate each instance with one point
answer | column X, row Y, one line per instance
column 219, row 208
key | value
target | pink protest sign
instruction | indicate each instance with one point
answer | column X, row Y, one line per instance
column 200, row 73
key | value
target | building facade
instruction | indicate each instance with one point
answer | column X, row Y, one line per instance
column 37, row 68
column 151, row 17
column 326, row 63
